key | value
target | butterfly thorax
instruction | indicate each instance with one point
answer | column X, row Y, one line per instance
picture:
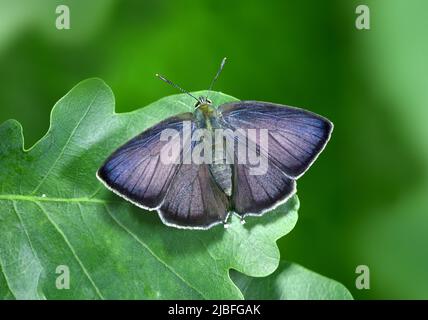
column 206, row 118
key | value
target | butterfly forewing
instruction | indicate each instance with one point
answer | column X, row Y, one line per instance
column 135, row 171
column 295, row 136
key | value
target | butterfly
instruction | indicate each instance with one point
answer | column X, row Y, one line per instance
column 201, row 194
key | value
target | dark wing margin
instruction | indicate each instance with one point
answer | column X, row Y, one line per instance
column 295, row 136
column 194, row 200
column 135, row 170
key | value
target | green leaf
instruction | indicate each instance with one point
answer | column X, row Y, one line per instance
column 53, row 212
column 5, row 293
column 291, row 282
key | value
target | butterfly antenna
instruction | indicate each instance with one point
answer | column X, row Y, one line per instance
column 175, row 86
column 223, row 62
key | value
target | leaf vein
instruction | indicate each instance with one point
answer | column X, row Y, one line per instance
column 15, row 209
column 66, row 144
column 144, row 245
column 6, row 278
column 85, row 271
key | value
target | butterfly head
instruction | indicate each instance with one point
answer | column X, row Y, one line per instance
column 205, row 105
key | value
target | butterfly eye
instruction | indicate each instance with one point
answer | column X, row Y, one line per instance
column 204, row 100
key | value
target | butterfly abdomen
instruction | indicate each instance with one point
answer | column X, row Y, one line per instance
column 219, row 168
column 222, row 174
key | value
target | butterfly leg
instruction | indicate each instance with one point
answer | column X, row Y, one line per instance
column 240, row 217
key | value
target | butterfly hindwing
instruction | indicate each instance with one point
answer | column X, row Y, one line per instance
column 194, row 199
column 255, row 193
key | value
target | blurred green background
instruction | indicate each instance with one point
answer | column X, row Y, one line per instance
column 365, row 201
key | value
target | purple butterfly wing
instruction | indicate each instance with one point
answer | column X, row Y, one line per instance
column 255, row 193
column 136, row 171
column 295, row 137
column 194, row 199
column 184, row 194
